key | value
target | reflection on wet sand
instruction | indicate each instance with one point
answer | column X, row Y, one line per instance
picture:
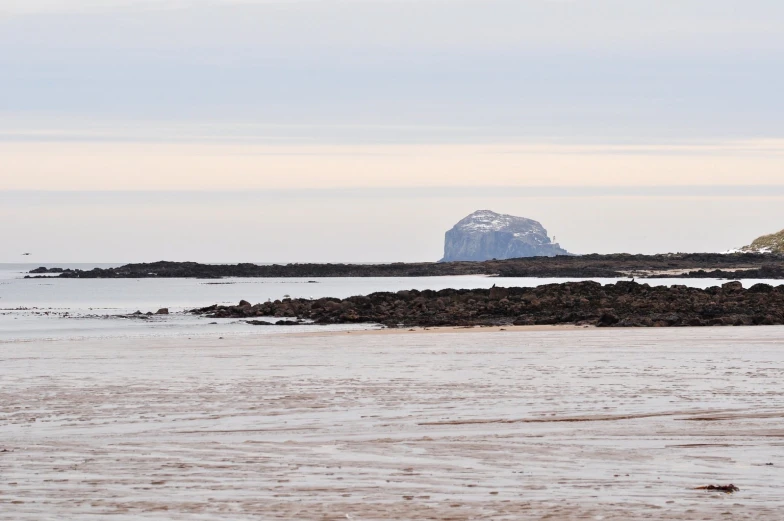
column 559, row 424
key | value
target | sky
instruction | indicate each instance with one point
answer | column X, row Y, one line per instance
column 361, row 130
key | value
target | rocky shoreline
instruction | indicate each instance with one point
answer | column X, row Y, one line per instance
column 681, row 265
column 624, row 304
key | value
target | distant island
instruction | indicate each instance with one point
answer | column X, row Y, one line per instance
column 673, row 265
column 486, row 235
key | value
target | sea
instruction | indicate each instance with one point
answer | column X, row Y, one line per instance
column 52, row 308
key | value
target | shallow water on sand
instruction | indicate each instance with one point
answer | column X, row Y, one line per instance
column 581, row 424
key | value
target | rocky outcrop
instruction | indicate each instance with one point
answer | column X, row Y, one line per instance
column 616, row 265
column 44, row 269
column 773, row 243
column 624, row 304
column 485, row 235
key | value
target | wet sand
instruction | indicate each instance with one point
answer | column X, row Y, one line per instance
column 440, row 330
column 556, row 424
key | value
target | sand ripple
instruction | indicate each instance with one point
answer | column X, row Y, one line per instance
column 576, row 424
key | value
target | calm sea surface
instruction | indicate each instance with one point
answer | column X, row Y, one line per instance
column 34, row 308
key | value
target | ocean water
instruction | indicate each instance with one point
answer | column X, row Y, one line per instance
column 36, row 308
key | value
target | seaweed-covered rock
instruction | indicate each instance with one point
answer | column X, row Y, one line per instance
column 624, row 304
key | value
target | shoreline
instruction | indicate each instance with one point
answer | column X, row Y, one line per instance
column 252, row 338
column 387, row 331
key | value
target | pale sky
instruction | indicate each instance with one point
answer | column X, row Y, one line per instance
column 340, row 130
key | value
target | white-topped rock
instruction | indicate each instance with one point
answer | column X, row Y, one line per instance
column 486, row 235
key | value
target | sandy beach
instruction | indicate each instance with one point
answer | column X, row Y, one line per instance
column 558, row 424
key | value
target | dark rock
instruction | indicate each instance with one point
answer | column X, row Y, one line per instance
column 608, row 319
column 619, row 265
column 624, row 304
column 727, row 489
column 43, row 269
column 162, row 311
column 256, row 323
column 498, row 293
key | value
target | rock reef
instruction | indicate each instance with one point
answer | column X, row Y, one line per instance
column 675, row 265
column 624, row 304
